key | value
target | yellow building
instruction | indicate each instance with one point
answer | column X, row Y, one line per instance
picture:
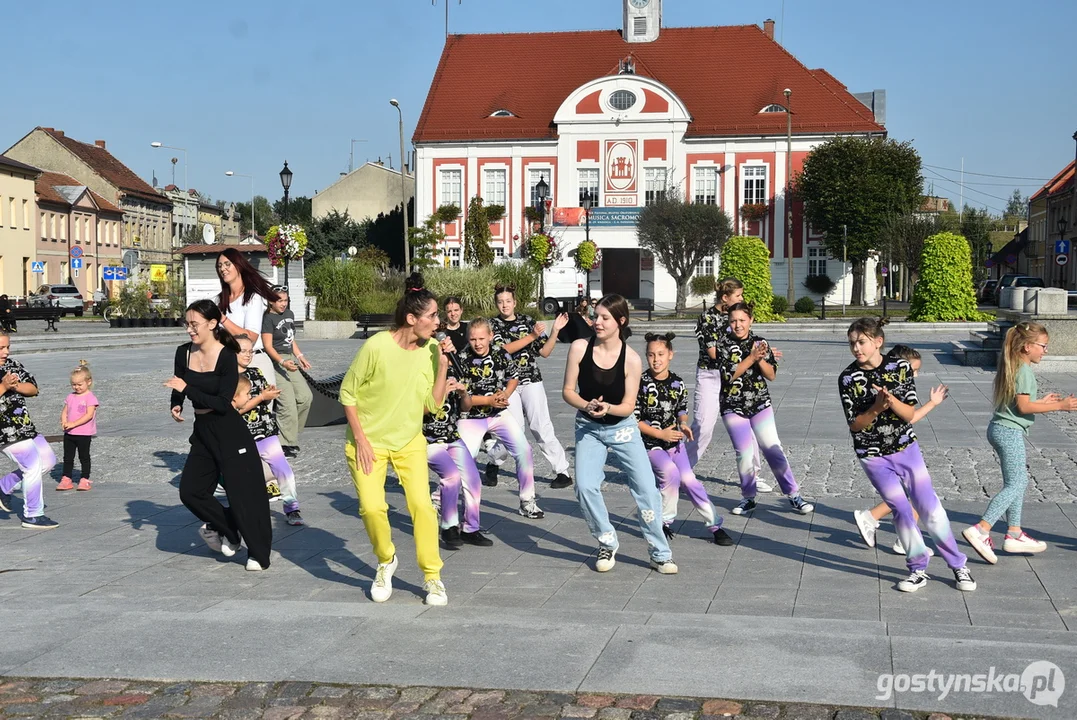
column 18, row 209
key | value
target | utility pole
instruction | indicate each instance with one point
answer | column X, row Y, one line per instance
column 351, row 154
column 435, row 2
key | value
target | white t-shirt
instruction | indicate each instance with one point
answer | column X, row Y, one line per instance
column 249, row 316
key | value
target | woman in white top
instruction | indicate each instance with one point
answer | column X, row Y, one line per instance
column 245, row 295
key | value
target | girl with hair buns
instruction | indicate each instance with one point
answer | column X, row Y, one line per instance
column 662, row 413
column 78, row 420
column 1016, row 405
column 207, row 372
column 878, row 395
column 396, row 376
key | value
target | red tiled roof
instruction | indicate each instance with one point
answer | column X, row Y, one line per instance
column 724, row 75
column 108, row 167
column 218, row 249
column 48, row 181
column 1058, row 183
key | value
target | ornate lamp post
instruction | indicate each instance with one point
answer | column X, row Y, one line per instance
column 588, row 202
column 286, row 183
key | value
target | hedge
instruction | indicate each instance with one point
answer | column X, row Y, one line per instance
column 748, row 260
column 944, row 292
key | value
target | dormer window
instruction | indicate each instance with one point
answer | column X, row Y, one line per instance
column 773, row 108
column 502, row 113
column 622, row 100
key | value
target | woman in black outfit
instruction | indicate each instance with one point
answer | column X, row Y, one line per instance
column 206, row 371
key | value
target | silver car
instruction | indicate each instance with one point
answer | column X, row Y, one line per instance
column 65, row 297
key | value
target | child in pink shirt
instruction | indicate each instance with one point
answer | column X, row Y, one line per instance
column 79, row 423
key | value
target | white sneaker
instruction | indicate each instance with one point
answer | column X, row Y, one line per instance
column 607, row 558
column 914, row 582
column 382, row 589
column 867, row 526
column 228, row 549
column 761, row 486
column 981, row 542
column 1023, row 544
column 664, row 567
column 254, row 566
column 435, row 592
column 211, row 538
column 899, row 549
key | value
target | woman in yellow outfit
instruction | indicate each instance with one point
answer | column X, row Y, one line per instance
column 395, row 376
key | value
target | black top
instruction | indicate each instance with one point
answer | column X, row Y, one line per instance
column 889, row 434
column 508, row 331
column 486, row 375
column 440, row 426
column 207, row 390
column 595, row 382
column 15, row 423
column 660, row 403
column 710, row 328
column 749, row 394
column 576, row 329
column 458, row 336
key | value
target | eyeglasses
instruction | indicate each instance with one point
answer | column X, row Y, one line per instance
column 192, row 325
column 1042, row 345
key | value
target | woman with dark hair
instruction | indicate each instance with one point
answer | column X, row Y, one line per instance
column 607, row 373
column 395, row 376
column 207, row 372
column 245, row 296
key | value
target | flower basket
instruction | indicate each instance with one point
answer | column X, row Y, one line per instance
column 285, row 243
column 753, row 211
column 542, row 251
column 588, row 256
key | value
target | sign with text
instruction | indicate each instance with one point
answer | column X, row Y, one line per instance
column 600, row 217
column 158, row 273
column 621, row 170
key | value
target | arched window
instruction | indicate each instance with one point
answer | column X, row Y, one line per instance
column 773, row 108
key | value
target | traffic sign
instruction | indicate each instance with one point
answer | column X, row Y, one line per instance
column 75, row 272
column 1061, row 259
column 121, row 272
column 1062, row 247
column 114, row 272
column 76, row 252
column 37, row 266
column 76, row 263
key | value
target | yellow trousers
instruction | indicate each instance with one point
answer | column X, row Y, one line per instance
column 410, row 464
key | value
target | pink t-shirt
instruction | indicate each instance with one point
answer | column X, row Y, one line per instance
column 77, row 405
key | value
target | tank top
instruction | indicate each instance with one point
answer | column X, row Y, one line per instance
column 595, row 382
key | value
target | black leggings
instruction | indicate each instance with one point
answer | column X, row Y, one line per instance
column 82, row 444
column 221, row 445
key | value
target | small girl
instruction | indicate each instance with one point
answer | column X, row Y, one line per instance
column 878, row 395
column 21, row 441
column 747, row 364
column 1015, row 409
column 868, row 520
column 662, row 412
column 78, row 420
column 257, row 412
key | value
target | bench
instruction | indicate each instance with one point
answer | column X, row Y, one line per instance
column 644, row 304
column 368, row 321
column 49, row 314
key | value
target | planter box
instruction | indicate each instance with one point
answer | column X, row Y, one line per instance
column 329, row 329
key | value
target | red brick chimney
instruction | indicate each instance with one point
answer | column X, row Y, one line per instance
column 60, row 133
column 768, row 28
column 99, row 143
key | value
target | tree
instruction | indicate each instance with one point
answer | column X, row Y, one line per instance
column 857, row 184
column 332, row 234
column 681, row 235
column 748, row 260
column 299, row 212
column 1016, row 206
column 976, row 226
column 193, row 235
column 477, row 250
column 944, row 290
column 425, row 241
column 903, row 239
column 264, row 217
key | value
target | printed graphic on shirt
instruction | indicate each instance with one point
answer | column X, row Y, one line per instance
column 748, row 394
column 486, row 375
column 659, row 403
column 888, row 434
column 507, row 331
column 440, row 426
column 710, row 328
column 259, row 419
column 282, row 328
column 15, row 423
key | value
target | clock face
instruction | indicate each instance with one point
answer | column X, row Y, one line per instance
column 639, row 3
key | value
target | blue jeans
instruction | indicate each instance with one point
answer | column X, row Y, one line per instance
column 593, row 442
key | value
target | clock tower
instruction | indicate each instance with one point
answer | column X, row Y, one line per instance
column 642, row 20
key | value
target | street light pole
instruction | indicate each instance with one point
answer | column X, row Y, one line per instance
column 286, row 183
column 1062, row 225
column 403, row 189
column 844, row 263
column 790, row 295
column 186, row 188
column 588, row 201
column 229, row 173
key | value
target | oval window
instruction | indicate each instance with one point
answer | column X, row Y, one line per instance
column 622, row 99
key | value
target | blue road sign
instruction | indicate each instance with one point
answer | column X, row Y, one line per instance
column 76, row 263
column 76, row 251
column 37, row 266
column 108, row 273
column 1062, row 247
column 121, row 272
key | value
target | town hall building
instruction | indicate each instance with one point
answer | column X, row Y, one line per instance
column 624, row 117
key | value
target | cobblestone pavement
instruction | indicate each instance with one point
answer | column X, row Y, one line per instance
column 29, row 698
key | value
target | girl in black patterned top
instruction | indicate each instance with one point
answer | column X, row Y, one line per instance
column 747, row 365
column 662, row 412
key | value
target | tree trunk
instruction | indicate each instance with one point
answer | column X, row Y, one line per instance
column 682, row 295
column 856, row 297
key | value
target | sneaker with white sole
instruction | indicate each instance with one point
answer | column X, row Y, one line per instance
column 254, row 566
column 607, row 558
column 746, row 506
column 763, row 487
column 1023, row 545
column 964, row 580
column 664, row 567
column 530, row 509
column 211, row 538
column 899, row 549
column 914, row 582
column 382, row 589
column 294, row 518
column 228, row 549
column 435, row 592
column 801, row 505
column 867, row 525
column 981, row 542
column 39, row 523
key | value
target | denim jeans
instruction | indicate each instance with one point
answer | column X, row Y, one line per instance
column 593, row 442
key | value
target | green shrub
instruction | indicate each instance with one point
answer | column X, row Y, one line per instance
column 944, row 289
column 475, row 286
column 321, row 312
column 379, row 302
column 340, row 284
column 779, row 304
column 804, row 305
column 748, row 260
column 702, row 285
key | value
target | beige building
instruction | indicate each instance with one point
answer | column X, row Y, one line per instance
column 147, row 215
column 366, row 192
column 17, row 208
column 230, row 225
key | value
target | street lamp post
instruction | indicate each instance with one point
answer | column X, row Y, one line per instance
column 844, row 263
column 588, row 202
column 286, row 183
column 790, row 295
column 186, row 188
column 542, row 191
column 1063, row 223
column 403, row 189
column 229, row 173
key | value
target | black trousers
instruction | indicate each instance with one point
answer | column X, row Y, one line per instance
column 82, row 444
column 221, row 445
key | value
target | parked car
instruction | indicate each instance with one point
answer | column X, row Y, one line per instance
column 987, row 290
column 65, row 297
column 1014, row 280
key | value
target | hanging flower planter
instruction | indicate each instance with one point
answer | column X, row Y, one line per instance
column 285, row 243
column 754, row 211
column 588, row 256
column 542, row 251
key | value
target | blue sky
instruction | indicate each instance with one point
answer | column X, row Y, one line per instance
column 244, row 85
